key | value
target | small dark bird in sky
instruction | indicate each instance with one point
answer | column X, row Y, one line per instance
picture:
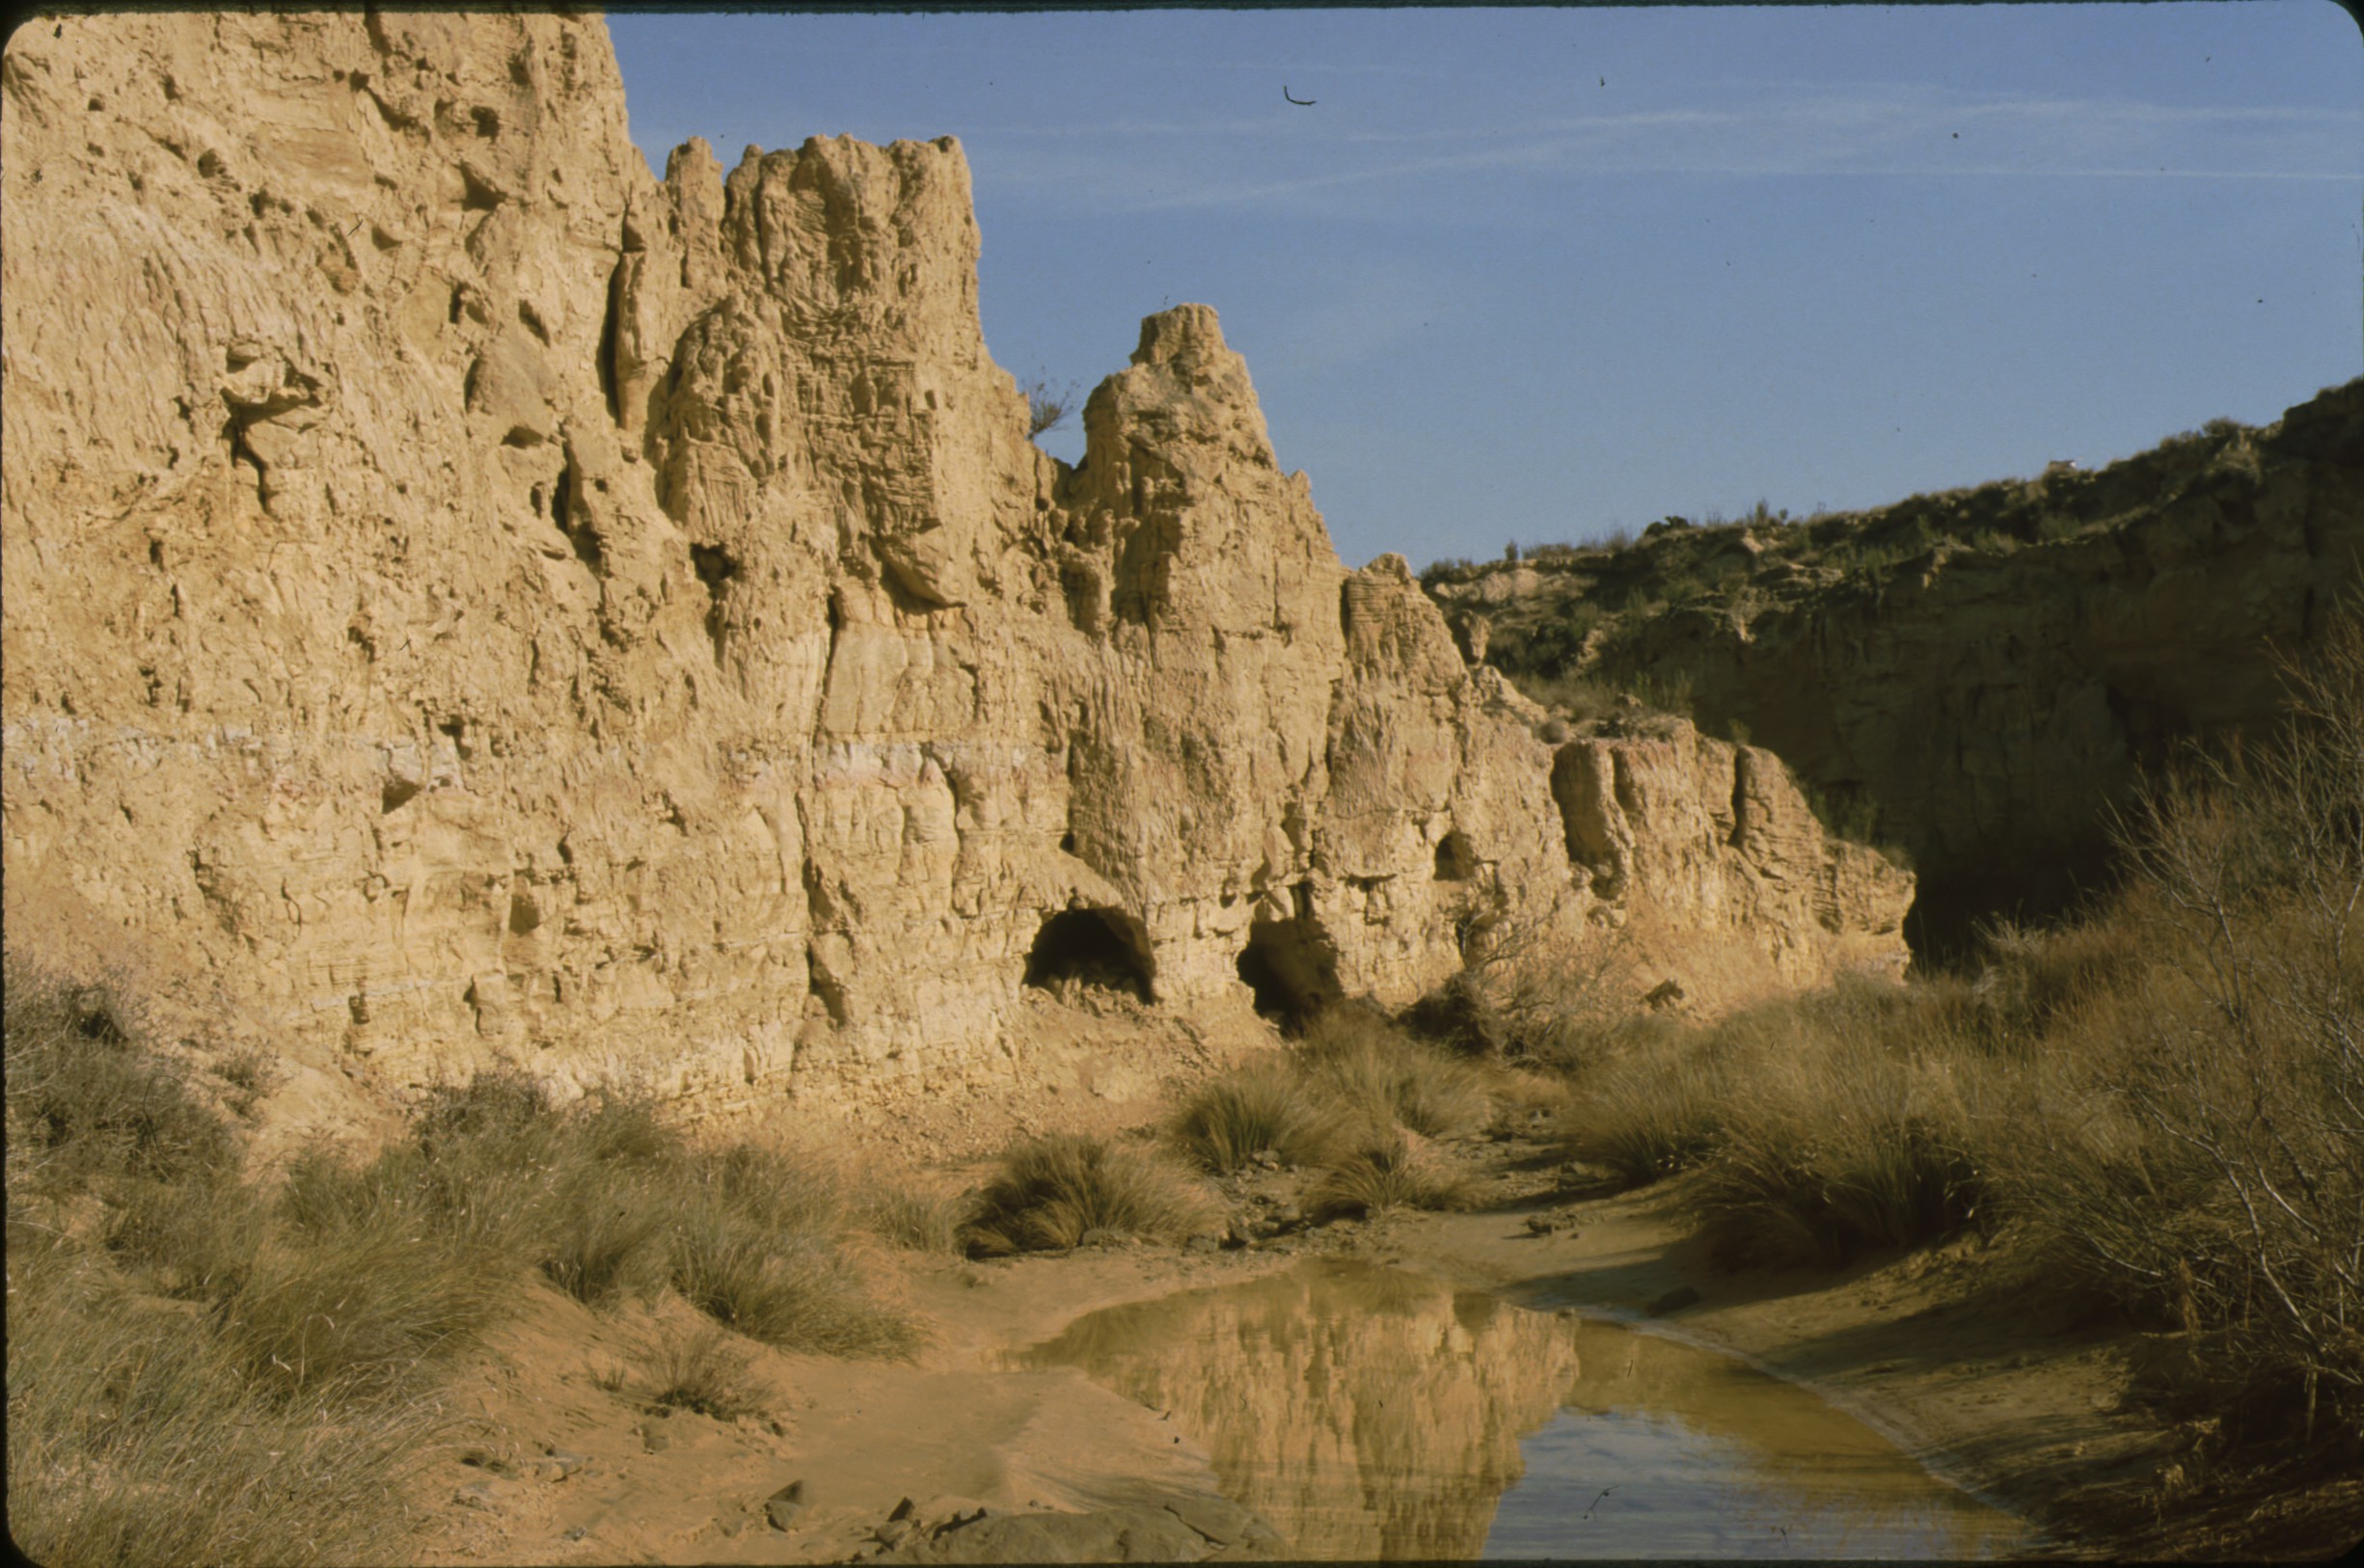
column 1302, row 103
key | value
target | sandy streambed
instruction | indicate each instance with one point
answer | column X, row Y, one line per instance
column 997, row 1415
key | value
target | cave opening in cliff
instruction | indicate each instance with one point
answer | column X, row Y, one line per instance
column 1101, row 947
column 1293, row 970
column 1454, row 863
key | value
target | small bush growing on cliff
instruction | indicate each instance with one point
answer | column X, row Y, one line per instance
column 88, row 1100
column 1057, row 1192
column 1528, row 994
column 1048, row 407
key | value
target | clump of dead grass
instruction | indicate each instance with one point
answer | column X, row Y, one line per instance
column 1383, row 1077
column 136, row 1435
column 1382, row 1171
column 203, row 1370
column 1823, row 1125
column 1061, row 1191
column 1655, row 1110
column 1841, row 1150
column 1347, row 1103
column 706, row 1370
column 911, row 1217
column 143, row 1428
column 608, row 1201
column 1265, row 1106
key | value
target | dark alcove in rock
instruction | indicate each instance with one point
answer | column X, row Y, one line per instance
column 1092, row 947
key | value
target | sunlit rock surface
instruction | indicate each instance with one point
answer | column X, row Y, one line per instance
column 478, row 599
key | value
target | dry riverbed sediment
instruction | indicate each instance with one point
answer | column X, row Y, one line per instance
column 970, row 1453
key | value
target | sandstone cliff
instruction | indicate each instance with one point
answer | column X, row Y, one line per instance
column 478, row 599
column 1978, row 676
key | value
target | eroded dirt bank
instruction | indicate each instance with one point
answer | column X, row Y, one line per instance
column 1940, row 1351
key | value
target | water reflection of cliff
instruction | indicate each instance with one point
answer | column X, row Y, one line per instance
column 1366, row 1413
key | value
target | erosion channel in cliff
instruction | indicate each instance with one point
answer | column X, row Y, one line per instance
column 1373, row 1414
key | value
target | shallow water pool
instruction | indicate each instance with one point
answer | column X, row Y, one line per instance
column 1376, row 1414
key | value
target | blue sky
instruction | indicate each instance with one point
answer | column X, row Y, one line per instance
column 1536, row 274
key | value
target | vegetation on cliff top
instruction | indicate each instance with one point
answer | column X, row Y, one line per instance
column 1569, row 613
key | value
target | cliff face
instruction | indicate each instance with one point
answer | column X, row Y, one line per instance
column 1979, row 676
column 475, row 596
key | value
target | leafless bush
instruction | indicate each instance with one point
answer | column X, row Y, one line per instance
column 1048, row 407
column 1529, row 993
column 2209, row 1162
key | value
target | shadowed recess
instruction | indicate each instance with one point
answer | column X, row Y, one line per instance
column 1292, row 970
column 1092, row 947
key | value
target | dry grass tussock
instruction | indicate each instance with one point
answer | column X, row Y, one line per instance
column 1068, row 1190
column 1385, row 1078
column 608, row 1201
column 145, row 1428
column 1383, row 1170
column 1353, row 1102
column 707, row 1371
column 202, row 1368
column 1823, row 1127
column 1265, row 1106
column 1350, row 1102
column 2166, row 1102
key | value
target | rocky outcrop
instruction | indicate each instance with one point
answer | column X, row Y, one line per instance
column 483, row 599
column 1717, row 836
column 1982, row 676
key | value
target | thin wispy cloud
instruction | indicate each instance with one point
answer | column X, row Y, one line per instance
column 1157, row 165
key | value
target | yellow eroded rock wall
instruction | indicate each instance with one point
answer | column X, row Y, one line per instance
column 479, row 599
